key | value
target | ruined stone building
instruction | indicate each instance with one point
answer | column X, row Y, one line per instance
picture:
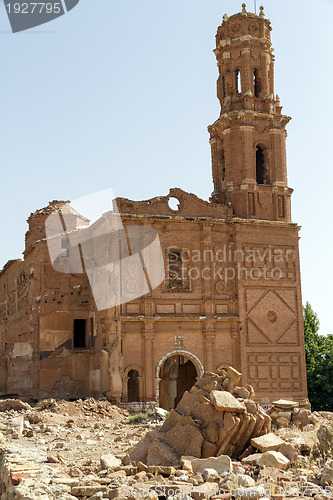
column 231, row 293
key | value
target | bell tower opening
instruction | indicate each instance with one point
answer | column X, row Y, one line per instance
column 256, row 84
column 262, row 174
column 223, row 87
column 222, row 166
column 238, row 81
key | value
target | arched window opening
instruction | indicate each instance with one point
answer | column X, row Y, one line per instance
column 262, row 172
column 238, row 81
column 133, row 387
column 222, row 166
column 256, row 83
column 223, row 87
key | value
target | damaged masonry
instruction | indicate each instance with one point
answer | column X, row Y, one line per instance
column 204, row 316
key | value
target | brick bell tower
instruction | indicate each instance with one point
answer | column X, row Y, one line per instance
column 248, row 140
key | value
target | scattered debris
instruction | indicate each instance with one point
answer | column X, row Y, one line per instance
column 88, row 449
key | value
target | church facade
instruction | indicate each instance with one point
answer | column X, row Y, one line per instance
column 232, row 290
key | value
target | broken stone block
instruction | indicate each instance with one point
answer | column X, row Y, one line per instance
column 282, row 422
column 212, row 386
column 208, row 449
column 242, row 392
column 285, row 414
column 160, row 453
column 207, row 379
column 302, row 417
column 140, row 476
column 267, row 442
column 210, row 475
column 252, row 459
column 273, row 459
column 185, row 440
column 186, row 464
column 220, row 464
column 289, row 451
column 109, row 461
column 174, row 418
column 234, row 377
column 251, row 407
column 163, row 470
column 245, row 481
column 87, row 491
column 212, row 432
column 224, row 401
column 285, row 404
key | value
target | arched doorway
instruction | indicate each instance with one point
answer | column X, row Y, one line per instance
column 177, row 374
column 133, row 387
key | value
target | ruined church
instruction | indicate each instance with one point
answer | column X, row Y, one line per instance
column 231, row 294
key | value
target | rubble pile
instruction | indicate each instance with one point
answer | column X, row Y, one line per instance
column 92, row 450
column 288, row 414
column 216, row 417
column 89, row 406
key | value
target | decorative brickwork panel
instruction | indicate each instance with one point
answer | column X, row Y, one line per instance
column 222, row 308
column 271, row 317
column 274, row 372
column 133, row 308
column 191, row 308
column 278, row 261
column 165, row 309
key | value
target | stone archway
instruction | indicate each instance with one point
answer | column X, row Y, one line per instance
column 176, row 373
column 133, row 384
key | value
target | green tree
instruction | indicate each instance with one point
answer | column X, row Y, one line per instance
column 319, row 362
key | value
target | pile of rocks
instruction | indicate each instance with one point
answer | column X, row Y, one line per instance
column 68, row 450
column 288, row 413
column 216, row 417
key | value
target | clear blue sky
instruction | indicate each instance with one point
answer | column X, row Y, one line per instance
column 119, row 93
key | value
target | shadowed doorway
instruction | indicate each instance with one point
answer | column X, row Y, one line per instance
column 178, row 374
column 133, row 387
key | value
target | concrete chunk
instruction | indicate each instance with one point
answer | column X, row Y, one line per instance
column 273, row 459
column 285, row 404
column 224, row 401
column 220, row 464
column 252, row 459
column 109, row 461
column 267, row 442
